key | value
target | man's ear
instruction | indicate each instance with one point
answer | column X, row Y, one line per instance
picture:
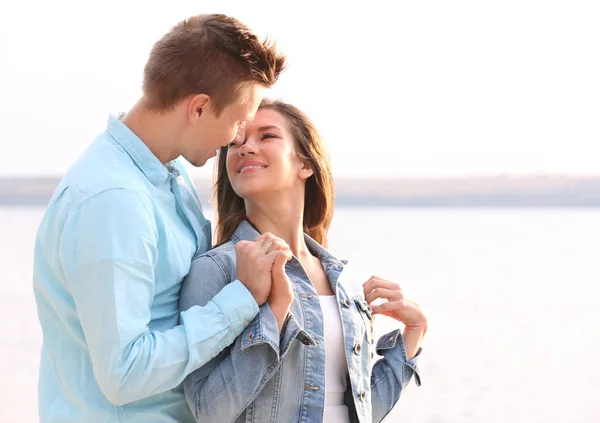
column 198, row 105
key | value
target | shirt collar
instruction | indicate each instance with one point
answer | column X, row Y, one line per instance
column 139, row 152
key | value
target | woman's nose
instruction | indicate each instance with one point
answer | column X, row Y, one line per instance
column 248, row 148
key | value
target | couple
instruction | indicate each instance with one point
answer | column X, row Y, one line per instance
column 143, row 322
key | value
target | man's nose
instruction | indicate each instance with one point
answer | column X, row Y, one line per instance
column 240, row 134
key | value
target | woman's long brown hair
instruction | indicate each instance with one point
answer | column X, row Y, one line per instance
column 319, row 194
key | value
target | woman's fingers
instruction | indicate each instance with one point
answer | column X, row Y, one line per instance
column 270, row 242
column 376, row 283
column 386, row 306
column 388, row 294
column 397, row 306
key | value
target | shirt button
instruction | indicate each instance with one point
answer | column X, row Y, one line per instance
column 357, row 349
column 250, row 336
column 362, row 396
column 347, row 303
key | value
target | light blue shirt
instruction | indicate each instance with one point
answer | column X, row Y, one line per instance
column 115, row 243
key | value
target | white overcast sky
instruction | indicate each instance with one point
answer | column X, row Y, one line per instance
column 410, row 88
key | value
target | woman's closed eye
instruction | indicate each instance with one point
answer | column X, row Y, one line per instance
column 265, row 136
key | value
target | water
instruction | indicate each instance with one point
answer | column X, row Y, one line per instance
column 513, row 299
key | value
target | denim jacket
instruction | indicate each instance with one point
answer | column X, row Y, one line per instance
column 265, row 376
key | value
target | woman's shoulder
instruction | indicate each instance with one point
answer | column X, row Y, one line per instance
column 208, row 275
column 225, row 249
column 220, row 259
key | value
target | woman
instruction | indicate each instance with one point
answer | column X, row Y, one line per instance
column 307, row 355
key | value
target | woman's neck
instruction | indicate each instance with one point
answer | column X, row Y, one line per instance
column 283, row 219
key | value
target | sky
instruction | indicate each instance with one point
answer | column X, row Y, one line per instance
column 397, row 89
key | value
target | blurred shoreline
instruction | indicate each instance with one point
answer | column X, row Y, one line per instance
column 493, row 191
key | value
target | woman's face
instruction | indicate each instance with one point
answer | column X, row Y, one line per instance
column 266, row 161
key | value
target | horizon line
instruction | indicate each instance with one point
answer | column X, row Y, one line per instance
column 374, row 177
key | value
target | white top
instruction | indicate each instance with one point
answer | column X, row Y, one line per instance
column 336, row 369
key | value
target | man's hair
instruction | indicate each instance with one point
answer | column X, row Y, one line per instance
column 208, row 54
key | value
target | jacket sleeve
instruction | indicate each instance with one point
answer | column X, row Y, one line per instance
column 392, row 374
column 222, row 389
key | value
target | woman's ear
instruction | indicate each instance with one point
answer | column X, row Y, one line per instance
column 306, row 171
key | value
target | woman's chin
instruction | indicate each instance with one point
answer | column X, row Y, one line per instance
column 248, row 191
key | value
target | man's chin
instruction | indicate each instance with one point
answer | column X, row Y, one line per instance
column 198, row 163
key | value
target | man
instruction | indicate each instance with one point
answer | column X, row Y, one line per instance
column 125, row 223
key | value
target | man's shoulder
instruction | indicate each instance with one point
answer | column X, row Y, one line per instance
column 102, row 167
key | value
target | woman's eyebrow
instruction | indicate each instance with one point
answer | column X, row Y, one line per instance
column 267, row 127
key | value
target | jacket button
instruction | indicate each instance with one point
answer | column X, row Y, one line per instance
column 347, row 303
column 357, row 349
column 362, row 396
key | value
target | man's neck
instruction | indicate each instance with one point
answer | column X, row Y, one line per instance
column 157, row 130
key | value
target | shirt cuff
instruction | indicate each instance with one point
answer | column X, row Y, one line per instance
column 237, row 305
column 391, row 347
